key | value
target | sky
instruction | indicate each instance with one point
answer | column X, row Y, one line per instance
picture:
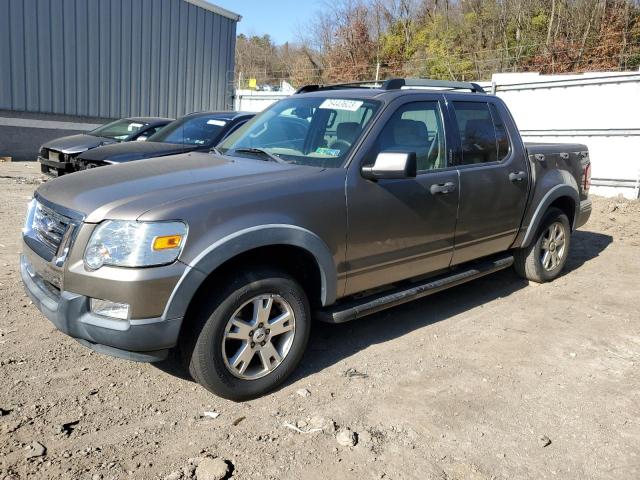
column 279, row 18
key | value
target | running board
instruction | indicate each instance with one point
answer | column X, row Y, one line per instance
column 360, row 307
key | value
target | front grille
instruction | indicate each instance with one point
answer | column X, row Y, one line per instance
column 49, row 226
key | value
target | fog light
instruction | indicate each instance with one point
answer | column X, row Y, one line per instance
column 109, row 309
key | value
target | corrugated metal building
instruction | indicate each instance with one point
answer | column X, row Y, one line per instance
column 115, row 58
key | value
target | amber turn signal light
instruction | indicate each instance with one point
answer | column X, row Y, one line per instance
column 167, row 242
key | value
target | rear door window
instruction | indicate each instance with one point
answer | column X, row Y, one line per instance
column 478, row 134
column 502, row 137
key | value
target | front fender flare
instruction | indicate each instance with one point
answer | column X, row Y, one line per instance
column 248, row 239
column 551, row 196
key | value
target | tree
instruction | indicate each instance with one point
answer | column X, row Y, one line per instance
column 461, row 39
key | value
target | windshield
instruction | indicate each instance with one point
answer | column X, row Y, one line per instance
column 201, row 130
column 316, row 131
column 118, row 130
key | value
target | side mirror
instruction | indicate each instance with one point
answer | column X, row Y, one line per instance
column 141, row 138
column 391, row 165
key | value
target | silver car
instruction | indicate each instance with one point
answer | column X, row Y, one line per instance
column 56, row 156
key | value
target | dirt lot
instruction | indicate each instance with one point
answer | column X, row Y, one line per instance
column 472, row 383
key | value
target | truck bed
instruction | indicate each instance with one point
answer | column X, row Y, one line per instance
column 554, row 148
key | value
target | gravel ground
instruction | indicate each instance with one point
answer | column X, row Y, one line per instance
column 494, row 379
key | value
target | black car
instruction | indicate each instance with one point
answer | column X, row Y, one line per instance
column 194, row 132
column 56, row 156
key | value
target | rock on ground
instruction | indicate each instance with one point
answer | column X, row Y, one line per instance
column 347, row 438
column 177, row 475
column 36, row 449
column 211, row 469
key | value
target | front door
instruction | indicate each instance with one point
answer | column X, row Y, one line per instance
column 402, row 228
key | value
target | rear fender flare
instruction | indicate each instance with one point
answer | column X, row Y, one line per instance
column 243, row 241
column 550, row 197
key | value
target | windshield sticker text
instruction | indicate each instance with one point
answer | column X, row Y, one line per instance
column 341, row 104
column 332, row 152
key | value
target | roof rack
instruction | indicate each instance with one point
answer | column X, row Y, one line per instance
column 340, row 86
column 396, row 84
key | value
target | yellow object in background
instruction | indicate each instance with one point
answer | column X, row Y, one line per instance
column 253, row 83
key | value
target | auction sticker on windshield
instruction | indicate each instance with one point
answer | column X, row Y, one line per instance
column 332, row 152
column 341, row 104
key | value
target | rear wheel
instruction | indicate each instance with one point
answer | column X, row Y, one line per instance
column 544, row 259
column 247, row 339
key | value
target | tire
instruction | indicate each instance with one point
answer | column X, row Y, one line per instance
column 531, row 262
column 44, row 168
column 212, row 342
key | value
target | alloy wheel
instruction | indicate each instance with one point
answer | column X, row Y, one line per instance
column 553, row 246
column 258, row 336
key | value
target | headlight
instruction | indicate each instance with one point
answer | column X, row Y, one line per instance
column 134, row 244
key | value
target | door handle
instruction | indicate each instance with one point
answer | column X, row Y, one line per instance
column 517, row 176
column 442, row 188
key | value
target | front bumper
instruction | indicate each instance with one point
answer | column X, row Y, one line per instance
column 583, row 213
column 61, row 167
column 145, row 340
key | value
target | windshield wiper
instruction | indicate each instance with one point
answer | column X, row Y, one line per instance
column 261, row 152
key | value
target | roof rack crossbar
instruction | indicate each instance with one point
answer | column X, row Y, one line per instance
column 340, row 86
column 396, row 84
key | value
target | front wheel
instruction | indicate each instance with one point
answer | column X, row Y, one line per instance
column 246, row 339
column 544, row 259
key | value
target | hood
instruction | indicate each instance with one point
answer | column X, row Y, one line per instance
column 128, row 151
column 129, row 190
column 77, row 143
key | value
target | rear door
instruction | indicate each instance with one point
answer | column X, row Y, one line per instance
column 494, row 176
column 402, row 228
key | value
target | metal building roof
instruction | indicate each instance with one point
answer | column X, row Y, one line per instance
column 216, row 9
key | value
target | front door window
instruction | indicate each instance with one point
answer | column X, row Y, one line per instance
column 416, row 127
